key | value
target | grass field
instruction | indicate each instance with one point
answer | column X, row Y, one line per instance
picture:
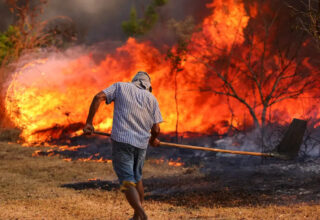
column 32, row 188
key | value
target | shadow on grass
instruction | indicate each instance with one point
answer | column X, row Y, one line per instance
column 194, row 191
column 180, row 195
column 93, row 184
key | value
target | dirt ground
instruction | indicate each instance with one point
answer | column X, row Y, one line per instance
column 51, row 188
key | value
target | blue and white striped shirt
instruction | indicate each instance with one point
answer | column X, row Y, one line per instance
column 135, row 112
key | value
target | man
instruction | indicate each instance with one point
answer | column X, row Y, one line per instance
column 136, row 112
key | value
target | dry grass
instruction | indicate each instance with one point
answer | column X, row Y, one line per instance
column 31, row 188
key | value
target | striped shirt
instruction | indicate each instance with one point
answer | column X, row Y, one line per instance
column 135, row 112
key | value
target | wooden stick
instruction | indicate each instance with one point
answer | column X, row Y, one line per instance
column 167, row 144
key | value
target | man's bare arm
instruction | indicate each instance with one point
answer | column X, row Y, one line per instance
column 98, row 98
column 155, row 131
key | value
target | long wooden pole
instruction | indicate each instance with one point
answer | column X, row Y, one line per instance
column 167, row 144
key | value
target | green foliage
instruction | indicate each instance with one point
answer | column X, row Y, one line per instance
column 139, row 26
column 132, row 27
column 160, row 2
column 151, row 18
column 30, row 33
column 8, row 40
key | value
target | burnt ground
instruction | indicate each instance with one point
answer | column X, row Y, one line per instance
column 215, row 179
column 270, row 183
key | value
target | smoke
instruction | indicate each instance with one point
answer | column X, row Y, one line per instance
column 99, row 20
column 95, row 20
column 6, row 16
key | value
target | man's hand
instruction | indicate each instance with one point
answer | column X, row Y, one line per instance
column 155, row 131
column 88, row 129
column 98, row 98
column 154, row 142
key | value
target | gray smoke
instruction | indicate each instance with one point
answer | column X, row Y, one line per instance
column 5, row 15
column 99, row 20
column 95, row 20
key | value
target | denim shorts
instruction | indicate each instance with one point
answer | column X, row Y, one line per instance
column 127, row 162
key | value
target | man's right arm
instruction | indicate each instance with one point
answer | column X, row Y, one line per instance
column 155, row 131
column 108, row 95
column 98, row 98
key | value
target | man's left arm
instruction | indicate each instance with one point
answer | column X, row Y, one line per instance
column 98, row 98
column 155, row 130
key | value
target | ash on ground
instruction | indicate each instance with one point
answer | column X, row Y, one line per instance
column 222, row 178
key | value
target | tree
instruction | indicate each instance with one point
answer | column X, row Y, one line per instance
column 29, row 33
column 307, row 14
column 260, row 72
column 7, row 45
column 139, row 26
column 23, row 35
column 182, row 31
column 32, row 32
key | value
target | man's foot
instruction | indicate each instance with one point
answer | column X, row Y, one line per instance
column 133, row 198
column 135, row 217
column 142, row 216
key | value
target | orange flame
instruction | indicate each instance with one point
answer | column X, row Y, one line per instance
column 170, row 162
column 49, row 98
column 176, row 163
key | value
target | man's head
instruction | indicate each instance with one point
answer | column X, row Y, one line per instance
column 142, row 80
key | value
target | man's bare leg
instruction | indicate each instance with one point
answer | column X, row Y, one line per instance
column 133, row 198
column 140, row 189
